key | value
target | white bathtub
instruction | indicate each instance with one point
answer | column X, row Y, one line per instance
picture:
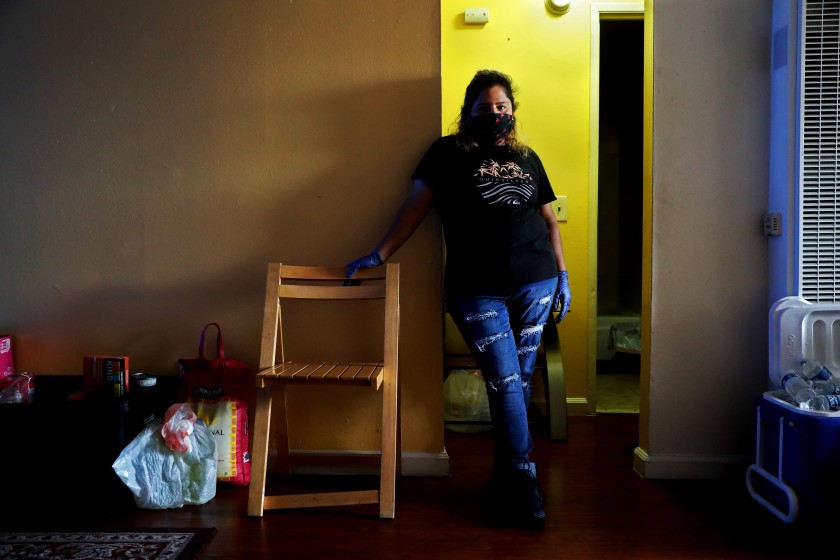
column 605, row 323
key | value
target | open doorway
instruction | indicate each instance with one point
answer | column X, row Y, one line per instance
column 619, row 231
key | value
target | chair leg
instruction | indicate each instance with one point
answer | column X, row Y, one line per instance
column 389, row 458
column 399, row 435
column 281, row 431
column 555, row 385
column 259, row 455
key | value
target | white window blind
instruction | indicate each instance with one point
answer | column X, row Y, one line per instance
column 820, row 129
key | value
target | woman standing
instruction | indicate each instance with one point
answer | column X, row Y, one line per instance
column 505, row 270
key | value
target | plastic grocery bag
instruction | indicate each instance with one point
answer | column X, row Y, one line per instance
column 465, row 400
column 626, row 337
column 170, row 463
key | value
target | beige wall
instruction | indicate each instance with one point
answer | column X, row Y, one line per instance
column 155, row 156
column 708, row 283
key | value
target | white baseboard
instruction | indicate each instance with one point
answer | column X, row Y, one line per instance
column 417, row 463
column 577, row 406
column 686, row 466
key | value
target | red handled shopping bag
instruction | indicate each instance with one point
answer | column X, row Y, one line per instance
column 217, row 391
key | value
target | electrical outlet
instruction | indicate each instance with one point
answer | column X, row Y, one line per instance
column 773, row 224
column 561, row 209
column 476, row 15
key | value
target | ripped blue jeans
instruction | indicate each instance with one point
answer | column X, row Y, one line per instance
column 503, row 333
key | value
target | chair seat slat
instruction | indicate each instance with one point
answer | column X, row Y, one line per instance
column 337, row 371
column 320, row 371
column 365, row 371
column 324, row 372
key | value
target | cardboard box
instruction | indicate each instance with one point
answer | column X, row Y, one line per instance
column 106, row 375
column 7, row 364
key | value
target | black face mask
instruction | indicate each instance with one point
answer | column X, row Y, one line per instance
column 490, row 128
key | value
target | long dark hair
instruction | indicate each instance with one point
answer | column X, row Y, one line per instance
column 482, row 80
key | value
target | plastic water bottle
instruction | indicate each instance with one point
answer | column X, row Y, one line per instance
column 813, row 370
column 799, row 389
column 825, row 382
column 824, row 403
column 829, row 387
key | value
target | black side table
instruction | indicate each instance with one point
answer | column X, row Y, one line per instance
column 57, row 453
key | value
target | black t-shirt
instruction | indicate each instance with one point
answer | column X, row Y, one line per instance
column 489, row 200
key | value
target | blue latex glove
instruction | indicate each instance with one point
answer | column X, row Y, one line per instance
column 368, row 261
column 562, row 296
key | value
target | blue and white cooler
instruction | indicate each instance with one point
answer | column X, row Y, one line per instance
column 797, row 451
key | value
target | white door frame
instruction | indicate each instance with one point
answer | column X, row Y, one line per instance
column 600, row 11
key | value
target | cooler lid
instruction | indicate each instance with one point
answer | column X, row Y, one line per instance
column 801, row 329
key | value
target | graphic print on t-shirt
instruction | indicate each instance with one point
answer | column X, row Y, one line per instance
column 503, row 183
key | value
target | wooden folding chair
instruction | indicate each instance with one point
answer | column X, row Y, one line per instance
column 320, row 283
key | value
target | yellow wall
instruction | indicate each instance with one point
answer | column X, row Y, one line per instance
column 548, row 58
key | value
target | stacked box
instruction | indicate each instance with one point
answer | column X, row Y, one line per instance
column 106, row 376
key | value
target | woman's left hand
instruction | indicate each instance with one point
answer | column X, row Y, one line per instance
column 562, row 295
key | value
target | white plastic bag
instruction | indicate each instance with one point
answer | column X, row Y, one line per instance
column 465, row 400
column 170, row 463
column 626, row 337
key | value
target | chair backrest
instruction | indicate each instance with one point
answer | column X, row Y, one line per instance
column 285, row 281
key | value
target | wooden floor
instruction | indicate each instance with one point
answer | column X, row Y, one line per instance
column 597, row 507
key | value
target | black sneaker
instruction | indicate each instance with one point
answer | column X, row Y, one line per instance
column 527, row 500
column 517, row 498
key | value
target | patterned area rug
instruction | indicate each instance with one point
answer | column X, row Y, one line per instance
column 149, row 544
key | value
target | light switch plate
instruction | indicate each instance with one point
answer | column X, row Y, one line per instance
column 476, row 15
column 561, row 209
